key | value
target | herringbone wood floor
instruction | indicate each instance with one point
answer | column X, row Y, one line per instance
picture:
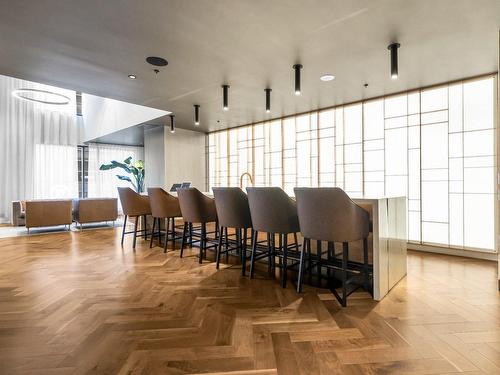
column 75, row 303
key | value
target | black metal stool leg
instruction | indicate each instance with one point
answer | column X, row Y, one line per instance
column 145, row 227
column 152, row 236
column 301, row 267
column 345, row 257
column 202, row 243
column 184, row 235
column 135, row 231
column 219, row 247
column 254, row 250
column 244, row 253
column 285, row 260
column 226, row 242
column 166, row 237
column 124, row 225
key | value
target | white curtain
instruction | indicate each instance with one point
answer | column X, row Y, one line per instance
column 56, row 172
column 23, row 125
column 104, row 183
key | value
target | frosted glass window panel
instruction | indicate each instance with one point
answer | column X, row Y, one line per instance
column 414, row 226
column 414, row 174
column 396, row 152
column 326, row 133
column 289, row 133
column 396, row 106
column 414, row 120
column 375, row 145
column 396, row 186
column 479, row 143
column 303, row 159
column 373, row 120
column 414, row 205
column 479, row 221
column 438, row 174
column 374, row 160
column 374, row 176
column 455, row 113
column 478, row 104
column 353, row 182
column 358, row 167
column 434, row 99
column 413, row 103
column 434, row 146
column 435, row 233
column 434, row 117
column 353, row 123
column 456, row 144
column 327, row 119
column 374, row 189
column 302, row 123
column 414, row 137
column 326, row 155
column 456, row 170
column 396, row 122
column 353, row 154
column 479, row 180
column 456, row 220
column 435, row 201
column 339, row 126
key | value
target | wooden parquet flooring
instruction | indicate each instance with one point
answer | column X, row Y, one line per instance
column 77, row 303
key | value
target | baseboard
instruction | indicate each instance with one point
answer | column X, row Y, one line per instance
column 455, row 252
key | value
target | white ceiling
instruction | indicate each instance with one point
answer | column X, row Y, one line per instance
column 92, row 45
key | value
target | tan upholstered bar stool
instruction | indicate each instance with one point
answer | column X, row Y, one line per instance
column 328, row 214
column 196, row 207
column 275, row 213
column 164, row 206
column 233, row 212
column 134, row 205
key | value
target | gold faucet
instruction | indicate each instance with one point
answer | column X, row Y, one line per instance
column 249, row 177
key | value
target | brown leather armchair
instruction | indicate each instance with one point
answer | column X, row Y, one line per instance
column 134, row 205
column 328, row 214
column 164, row 206
column 196, row 207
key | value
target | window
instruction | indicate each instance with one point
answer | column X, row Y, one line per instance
column 435, row 146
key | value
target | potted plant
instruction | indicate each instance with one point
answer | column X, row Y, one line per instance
column 135, row 169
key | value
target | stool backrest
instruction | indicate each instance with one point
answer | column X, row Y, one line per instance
column 133, row 204
column 196, row 207
column 272, row 210
column 163, row 204
column 232, row 207
column 328, row 214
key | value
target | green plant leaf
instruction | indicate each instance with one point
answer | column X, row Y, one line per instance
column 128, row 160
column 124, row 178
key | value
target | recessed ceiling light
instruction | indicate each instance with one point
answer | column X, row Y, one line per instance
column 132, row 76
column 327, row 77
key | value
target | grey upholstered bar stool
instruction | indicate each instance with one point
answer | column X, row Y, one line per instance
column 274, row 212
column 134, row 205
column 328, row 214
column 164, row 206
column 196, row 207
column 233, row 212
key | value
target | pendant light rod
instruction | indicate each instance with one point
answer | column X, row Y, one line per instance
column 172, row 123
column 268, row 99
column 197, row 114
column 225, row 97
column 393, row 47
column 297, row 68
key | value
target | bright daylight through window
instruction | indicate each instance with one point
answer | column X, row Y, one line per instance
column 435, row 146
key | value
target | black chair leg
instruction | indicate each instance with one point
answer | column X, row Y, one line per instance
column 280, row 247
column 219, row 247
column 135, row 231
column 345, row 257
column 173, row 233
column 270, row 254
column 254, row 250
column 202, row 242
column 226, row 244
column 124, row 225
column 244, row 253
column 152, row 236
column 184, row 234
column 166, row 238
column 301, row 267
column 145, row 227
column 285, row 260
column 190, row 234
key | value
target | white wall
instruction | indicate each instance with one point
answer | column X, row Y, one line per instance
column 154, row 156
column 102, row 116
column 185, row 158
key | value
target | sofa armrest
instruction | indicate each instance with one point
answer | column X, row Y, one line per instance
column 17, row 214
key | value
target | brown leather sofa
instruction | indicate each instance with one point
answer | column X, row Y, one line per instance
column 94, row 210
column 18, row 213
column 48, row 212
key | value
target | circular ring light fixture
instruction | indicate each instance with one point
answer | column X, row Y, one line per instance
column 41, row 96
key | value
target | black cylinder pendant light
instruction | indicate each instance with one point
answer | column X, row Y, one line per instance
column 225, row 97
column 197, row 114
column 268, row 100
column 172, row 124
column 297, row 68
column 393, row 47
